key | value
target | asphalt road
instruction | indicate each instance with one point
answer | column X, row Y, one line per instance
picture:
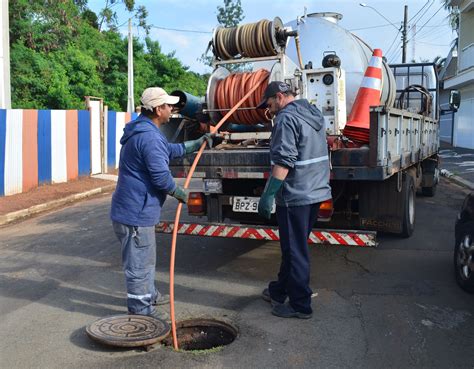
column 396, row 306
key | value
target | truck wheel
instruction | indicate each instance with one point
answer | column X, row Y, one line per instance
column 408, row 196
column 430, row 177
column 464, row 257
column 431, row 191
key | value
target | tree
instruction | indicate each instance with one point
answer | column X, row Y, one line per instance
column 453, row 16
column 229, row 15
column 58, row 55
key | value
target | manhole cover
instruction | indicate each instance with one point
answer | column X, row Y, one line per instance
column 128, row 330
column 202, row 334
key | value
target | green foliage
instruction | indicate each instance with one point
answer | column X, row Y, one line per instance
column 58, row 56
column 230, row 14
column 454, row 14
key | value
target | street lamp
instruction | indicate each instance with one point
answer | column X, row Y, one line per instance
column 402, row 28
column 364, row 5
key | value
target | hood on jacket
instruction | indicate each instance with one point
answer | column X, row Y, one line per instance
column 306, row 112
column 140, row 125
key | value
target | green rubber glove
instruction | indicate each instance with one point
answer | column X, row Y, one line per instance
column 180, row 194
column 265, row 204
column 194, row 145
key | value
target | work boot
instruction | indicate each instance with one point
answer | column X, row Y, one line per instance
column 157, row 314
column 286, row 311
column 266, row 296
column 160, row 315
column 162, row 300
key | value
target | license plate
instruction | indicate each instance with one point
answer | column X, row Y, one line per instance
column 247, row 204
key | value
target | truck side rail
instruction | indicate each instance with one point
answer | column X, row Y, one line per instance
column 400, row 138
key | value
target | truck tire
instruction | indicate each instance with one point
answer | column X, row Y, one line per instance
column 429, row 191
column 409, row 196
column 430, row 178
column 464, row 257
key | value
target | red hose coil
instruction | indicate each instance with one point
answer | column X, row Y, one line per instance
column 231, row 89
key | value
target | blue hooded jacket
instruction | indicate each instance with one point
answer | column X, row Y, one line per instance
column 144, row 177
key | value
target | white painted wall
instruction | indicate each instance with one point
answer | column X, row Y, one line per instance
column 5, row 94
column 96, row 159
column 464, row 122
column 58, row 146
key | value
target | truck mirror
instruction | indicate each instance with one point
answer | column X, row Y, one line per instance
column 455, row 99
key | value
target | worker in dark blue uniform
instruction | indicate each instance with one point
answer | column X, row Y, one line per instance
column 144, row 181
column 298, row 183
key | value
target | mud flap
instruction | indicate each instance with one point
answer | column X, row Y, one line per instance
column 382, row 205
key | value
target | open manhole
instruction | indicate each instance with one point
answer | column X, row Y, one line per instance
column 128, row 330
column 202, row 334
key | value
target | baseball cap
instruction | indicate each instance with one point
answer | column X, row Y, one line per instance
column 156, row 96
column 272, row 89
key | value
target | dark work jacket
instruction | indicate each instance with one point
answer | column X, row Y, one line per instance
column 299, row 143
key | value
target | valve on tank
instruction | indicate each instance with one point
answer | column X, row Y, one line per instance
column 331, row 60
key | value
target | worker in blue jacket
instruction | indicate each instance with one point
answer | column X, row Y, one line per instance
column 144, row 181
column 298, row 183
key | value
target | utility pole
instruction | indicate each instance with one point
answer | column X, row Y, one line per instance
column 5, row 90
column 130, row 101
column 404, row 35
column 413, row 43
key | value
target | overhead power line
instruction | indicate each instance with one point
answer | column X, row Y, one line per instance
column 379, row 26
column 393, row 43
column 419, row 11
column 422, row 14
column 179, row 29
column 431, row 18
column 429, row 43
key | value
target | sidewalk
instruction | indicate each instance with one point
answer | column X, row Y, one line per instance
column 457, row 164
column 48, row 197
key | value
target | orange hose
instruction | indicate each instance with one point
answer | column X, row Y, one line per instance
column 231, row 89
column 258, row 83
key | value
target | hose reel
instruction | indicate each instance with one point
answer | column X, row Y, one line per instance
column 232, row 88
column 252, row 40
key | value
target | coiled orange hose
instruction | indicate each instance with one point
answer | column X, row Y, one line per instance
column 258, row 84
column 231, row 89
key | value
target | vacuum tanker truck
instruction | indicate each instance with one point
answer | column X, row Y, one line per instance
column 375, row 174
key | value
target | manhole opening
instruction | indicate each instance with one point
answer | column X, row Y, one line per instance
column 202, row 334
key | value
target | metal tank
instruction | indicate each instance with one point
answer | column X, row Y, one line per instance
column 319, row 34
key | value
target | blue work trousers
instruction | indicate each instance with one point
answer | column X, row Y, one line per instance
column 138, row 262
column 295, row 224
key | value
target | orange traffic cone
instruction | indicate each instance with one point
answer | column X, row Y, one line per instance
column 358, row 125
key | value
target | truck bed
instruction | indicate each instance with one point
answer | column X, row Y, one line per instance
column 398, row 140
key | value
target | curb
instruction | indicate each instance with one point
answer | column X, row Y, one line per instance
column 457, row 180
column 36, row 209
column 461, row 182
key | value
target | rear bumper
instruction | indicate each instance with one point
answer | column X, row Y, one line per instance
column 264, row 233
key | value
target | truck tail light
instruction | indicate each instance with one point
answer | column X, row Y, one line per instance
column 326, row 210
column 196, row 203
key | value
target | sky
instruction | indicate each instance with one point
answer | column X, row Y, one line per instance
column 429, row 34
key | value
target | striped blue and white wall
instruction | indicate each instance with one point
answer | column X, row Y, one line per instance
column 115, row 123
column 54, row 146
column 42, row 147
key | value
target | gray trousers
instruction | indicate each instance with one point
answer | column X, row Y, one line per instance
column 138, row 262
